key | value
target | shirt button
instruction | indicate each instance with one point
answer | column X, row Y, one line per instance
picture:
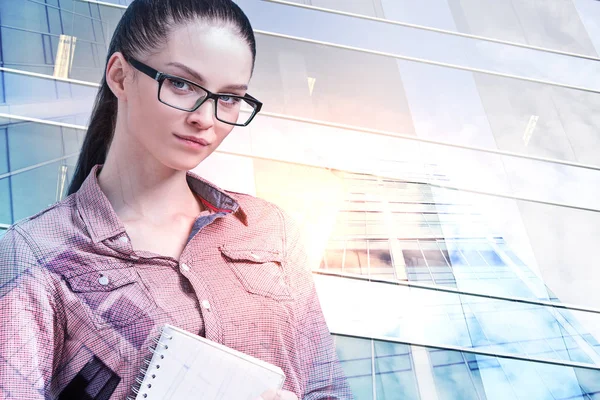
column 103, row 280
column 123, row 239
column 185, row 267
column 206, row 304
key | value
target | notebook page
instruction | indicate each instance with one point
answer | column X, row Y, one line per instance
column 196, row 368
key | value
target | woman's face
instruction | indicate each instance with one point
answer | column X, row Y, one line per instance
column 213, row 57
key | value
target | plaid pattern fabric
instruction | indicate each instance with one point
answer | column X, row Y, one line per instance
column 79, row 307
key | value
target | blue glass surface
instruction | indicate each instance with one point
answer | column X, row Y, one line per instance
column 449, row 319
column 39, row 97
column 34, row 190
column 394, row 372
column 5, row 202
column 456, row 259
column 491, row 257
column 355, row 356
column 31, row 143
column 4, row 167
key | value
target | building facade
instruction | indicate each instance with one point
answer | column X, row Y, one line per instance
column 442, row 157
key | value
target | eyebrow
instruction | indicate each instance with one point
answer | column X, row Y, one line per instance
column 201, row 80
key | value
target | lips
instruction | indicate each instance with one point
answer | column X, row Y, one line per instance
column 198, row 140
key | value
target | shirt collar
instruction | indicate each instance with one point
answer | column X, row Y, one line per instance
column 103, row 223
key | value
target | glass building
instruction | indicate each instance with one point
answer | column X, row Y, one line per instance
column 442, row 156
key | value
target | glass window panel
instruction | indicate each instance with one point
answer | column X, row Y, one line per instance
column 394, row 374
column 77, row 20
column 32, row 96
column 355, row 358
column 414, row 258
column 2, row 88
column 423, row 44
column 31, row 143
column 379, row 254
column 24, row 50
column 356, row 255
column 487, row 324
column 440, row 269
column 435, row 258
column 453, row 381
column 34, row 190
column 473, row 257
column 24, row 15
column 420, row 277
column 334, row 258
column 4, row 167
column 5, row 202
column 589, row 12
column 443, row 275
column 507, row 251
column 71, row 140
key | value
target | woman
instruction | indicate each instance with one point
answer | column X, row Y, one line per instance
column 140, row 242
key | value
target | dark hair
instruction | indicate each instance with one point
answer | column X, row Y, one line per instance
column 145, row 26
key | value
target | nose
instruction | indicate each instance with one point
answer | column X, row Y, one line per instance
column 204, row 116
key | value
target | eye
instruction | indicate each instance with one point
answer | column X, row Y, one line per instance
column 229, row 100
column 179, row 84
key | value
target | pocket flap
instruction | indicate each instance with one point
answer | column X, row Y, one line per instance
column 259, row 271
column 253, row 255
column 102, row 281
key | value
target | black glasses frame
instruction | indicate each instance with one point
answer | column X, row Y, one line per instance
column 161, row 76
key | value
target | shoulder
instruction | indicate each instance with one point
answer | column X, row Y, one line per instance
column 54, row 212
column 41, row 229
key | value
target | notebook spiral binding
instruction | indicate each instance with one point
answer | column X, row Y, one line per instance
column 139, row 380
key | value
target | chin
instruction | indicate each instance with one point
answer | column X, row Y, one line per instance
column 184, row 165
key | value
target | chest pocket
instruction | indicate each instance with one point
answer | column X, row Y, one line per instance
column 112, row 297
column 259, row 271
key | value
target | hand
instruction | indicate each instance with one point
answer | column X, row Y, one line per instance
column 277, row 395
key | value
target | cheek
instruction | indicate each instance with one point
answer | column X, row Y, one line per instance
column 146, row 113
column 148, row 116
column 222, row 131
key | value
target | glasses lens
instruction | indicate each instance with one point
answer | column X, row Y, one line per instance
column 235, row 110
column 181, row 94
column 185, row 95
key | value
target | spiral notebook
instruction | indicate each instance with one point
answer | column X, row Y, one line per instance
column 186, row 366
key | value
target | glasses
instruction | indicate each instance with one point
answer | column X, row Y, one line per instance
column 186, row 95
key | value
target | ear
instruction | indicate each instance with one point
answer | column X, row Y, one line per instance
column 116, row 72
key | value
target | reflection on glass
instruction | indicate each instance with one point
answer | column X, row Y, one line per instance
column 36, row 189
column 4, row 168
column 379, row 369
column 6, row 213
column 394, row 373
column 443, row 318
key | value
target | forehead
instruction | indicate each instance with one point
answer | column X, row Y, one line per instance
column 218, row 53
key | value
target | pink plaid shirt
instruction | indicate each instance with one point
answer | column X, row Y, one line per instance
column 79, row 307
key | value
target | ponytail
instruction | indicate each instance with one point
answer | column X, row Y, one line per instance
column 98, row 137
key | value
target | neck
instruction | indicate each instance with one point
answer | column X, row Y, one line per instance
column 143, row 188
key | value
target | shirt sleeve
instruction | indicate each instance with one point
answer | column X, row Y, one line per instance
column 28, row 323
column 320, row 367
